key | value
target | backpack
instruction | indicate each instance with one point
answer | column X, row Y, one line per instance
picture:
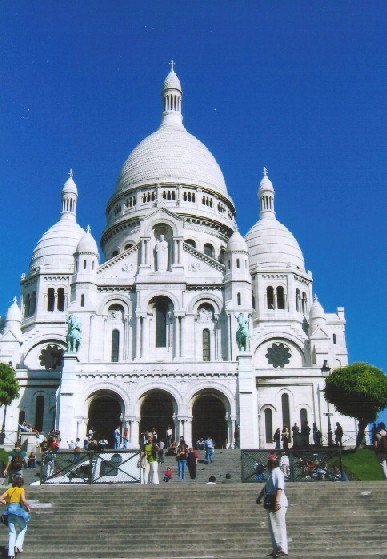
column 17, row 461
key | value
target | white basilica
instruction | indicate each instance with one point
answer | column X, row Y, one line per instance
column 159, row 319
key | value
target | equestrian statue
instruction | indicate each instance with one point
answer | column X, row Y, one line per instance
column 73, row 334
column 242, row 333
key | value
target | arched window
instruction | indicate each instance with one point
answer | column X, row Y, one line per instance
column 280, row 297
column 82, row 300
column 239, row 299
column 206, row 345
column 238, row 263
column 191, row 243
column 209, row 250
column 253, row 301
column 285, row 410
column 303, row 417
column 39, row 413
column 161, row 321
column 51, row 299
column 268, row 425
column 84, row 264
column 334, row 338
column 298, row 297
column 128, row 246
column 27, row 305
column 270, row 297
column 115, row 346
column 33, row 302
column 304, row 303
column 60, row 299
column 114, row 253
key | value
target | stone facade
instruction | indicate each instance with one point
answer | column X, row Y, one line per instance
column 186, row 323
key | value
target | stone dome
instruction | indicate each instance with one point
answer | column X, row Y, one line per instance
column 237, row 243
column 14, row 313
column 272, row 245
column 57, row 246
column 87, row 245
column 171, row 155
column 316, row 310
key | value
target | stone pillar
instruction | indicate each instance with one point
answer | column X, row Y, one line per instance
column 231, row 425
column 66, row 399
column 247, row 402
column 134, row 432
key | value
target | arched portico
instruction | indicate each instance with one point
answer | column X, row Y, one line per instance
column 157, row 410
column 210, row 415
column 105, row 412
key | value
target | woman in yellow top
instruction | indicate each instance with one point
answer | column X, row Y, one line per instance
column 18, row 511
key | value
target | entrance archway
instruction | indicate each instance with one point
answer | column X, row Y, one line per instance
column 104, row 415
column 157, row 411
column 209, row 418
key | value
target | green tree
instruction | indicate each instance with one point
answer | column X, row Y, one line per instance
column 9, row 390
column 358, row 390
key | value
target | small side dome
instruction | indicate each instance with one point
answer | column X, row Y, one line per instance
column 271, row 244
column 237, row 243
column 87, row 245
column 14, row 313
column 316, row 310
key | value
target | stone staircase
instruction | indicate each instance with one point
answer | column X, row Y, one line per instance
column 224, row 461
column 195, row 520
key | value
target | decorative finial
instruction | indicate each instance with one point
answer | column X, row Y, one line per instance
column 172, row 65
column 14, row 300
column 315, row 297
column 88, row 229
column 71, row 173
column 264, row 172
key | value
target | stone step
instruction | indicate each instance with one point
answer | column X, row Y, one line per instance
column 325, row 520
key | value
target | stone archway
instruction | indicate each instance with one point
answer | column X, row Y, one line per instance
column 209, row 418
column 157, row 410
column 104, row 415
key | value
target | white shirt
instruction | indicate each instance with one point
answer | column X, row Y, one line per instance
column 276, row 480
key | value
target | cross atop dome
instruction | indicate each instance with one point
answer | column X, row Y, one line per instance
column 70, row 173
column 264, row 172
column 172, row 64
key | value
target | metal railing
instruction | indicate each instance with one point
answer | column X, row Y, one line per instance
column 110, row 466
column 314, row 464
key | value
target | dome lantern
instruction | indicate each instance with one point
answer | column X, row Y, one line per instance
column 172, row 94
column 266, row 197
column 69, row 197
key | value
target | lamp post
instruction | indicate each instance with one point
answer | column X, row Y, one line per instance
column 325, row 369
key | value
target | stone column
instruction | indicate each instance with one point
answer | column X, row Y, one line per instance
column 138, row 336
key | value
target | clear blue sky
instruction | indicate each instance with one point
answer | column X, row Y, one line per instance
column 297, row 86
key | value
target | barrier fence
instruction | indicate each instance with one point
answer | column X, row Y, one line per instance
column 110, row 466
column 300, row 465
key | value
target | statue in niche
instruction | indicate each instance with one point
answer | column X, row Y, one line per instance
column 162, row 254
column 204, row 315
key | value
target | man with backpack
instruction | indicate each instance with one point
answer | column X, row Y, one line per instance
column 380, row 445
column 17, row 459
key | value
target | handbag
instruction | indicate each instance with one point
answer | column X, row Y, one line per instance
column 4, row 519
column 269, row 502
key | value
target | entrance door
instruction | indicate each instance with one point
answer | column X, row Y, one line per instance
column 104, row 416
column 209, row 418
column 157, row 411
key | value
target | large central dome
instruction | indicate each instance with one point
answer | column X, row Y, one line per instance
column 171, row 155
column 169, row 168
